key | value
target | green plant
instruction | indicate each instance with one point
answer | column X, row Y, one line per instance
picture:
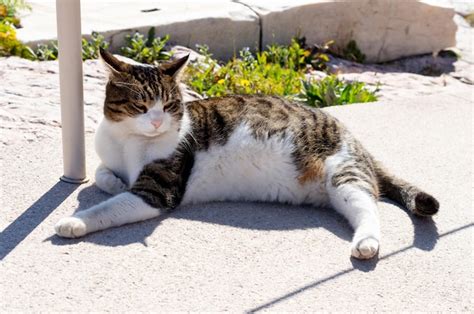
column 14, row 6
column 149, row 50
column 10, row 45
column 278, row 70
column 46, row 52
column 320, row 56
column 293, row 57
column 352, row 52
column 90, row 48
column 9, row 21
column 266, row 72
column 332, row 91
column 9, row 10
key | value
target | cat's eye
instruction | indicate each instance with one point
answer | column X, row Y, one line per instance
column 140, row 107
column 167, row 106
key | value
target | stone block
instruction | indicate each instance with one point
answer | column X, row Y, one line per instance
column 383, row 30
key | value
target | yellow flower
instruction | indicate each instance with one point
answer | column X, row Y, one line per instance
column 221, row 81
column 244, row 82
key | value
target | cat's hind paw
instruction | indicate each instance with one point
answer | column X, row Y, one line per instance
column 70, row 227
column 365, row 248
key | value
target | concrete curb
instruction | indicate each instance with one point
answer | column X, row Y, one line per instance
column 382, row 31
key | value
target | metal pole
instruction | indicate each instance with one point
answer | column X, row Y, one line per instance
column 68, row 15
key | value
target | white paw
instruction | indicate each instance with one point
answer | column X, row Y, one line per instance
column 70, row 227
column 365, row 248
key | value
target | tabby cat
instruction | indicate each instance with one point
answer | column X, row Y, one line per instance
column 158, row 152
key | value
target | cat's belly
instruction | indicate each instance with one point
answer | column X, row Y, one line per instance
column 245, row 169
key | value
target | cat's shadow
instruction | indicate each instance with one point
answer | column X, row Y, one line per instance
column 256, row 216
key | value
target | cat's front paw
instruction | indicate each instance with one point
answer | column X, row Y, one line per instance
column 365, row 248
column 70, row 227
column 108, row 182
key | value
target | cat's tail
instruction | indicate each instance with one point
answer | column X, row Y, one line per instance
column 405, row 194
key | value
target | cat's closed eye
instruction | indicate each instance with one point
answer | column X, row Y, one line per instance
column 167, row 106
column 140, row 107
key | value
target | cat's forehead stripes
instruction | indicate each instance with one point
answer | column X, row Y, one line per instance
column 134, row 94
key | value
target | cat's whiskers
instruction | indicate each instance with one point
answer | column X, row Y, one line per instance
column 186, row 144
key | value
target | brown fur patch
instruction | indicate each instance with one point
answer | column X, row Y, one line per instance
column 314, row 171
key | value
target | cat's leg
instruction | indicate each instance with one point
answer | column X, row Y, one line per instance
column 359, row 207
column 121, row 209
column 159, row 187
column 108, row 182
column 353, row 191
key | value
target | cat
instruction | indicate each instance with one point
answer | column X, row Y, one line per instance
column 158, row 152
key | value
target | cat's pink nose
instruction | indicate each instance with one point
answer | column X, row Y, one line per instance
column 156, row 123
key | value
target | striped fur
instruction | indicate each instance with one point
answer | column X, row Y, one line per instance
column 254, row 148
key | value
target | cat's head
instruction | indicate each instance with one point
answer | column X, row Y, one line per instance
column 146, row 100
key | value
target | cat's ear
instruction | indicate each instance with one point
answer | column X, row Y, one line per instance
column 112, row 63
column 174, row 68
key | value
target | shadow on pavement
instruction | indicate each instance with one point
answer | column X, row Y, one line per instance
column 21, row 227
column 267, row 216
column 364, row 265
column 124, row 235
column 256, row 216
column 425, row 231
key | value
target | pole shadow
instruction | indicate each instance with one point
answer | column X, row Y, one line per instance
column 425, row 237
column 21, row 227
column 315, row 284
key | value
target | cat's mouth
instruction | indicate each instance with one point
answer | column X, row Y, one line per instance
column 153, row 134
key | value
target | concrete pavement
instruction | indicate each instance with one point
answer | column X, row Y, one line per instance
column 251, row 257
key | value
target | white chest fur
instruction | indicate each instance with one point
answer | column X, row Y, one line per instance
column 247, row 169
column 126, row 154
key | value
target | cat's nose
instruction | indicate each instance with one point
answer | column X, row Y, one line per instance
column 156, row 123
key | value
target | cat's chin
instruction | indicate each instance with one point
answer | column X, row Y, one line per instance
column 152, row 134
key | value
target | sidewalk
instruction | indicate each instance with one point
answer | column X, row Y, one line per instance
column 250, row 257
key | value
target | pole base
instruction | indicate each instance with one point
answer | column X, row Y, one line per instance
column 74, row 181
